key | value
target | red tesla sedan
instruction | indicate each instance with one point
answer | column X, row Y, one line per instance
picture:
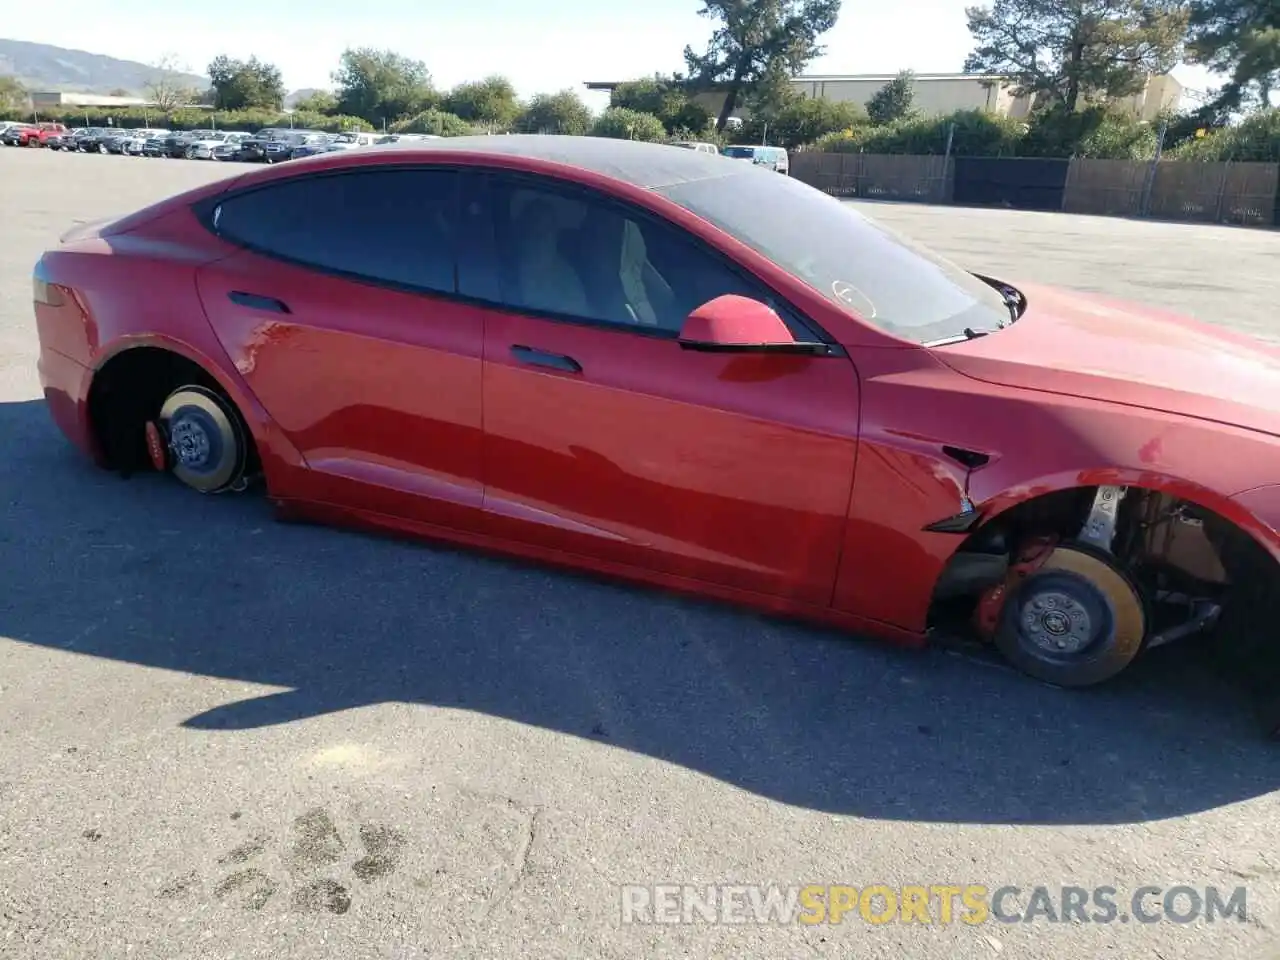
column 669, row 366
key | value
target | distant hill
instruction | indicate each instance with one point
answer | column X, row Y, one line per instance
column 39, row 66
column 292, row 99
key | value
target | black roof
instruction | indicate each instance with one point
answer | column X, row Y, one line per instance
column 643, row 164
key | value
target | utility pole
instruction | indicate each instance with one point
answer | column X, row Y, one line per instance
column 1144, row 208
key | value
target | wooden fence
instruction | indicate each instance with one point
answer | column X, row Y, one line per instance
column 1239, row 193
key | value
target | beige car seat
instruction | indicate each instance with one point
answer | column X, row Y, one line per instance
column 547, row 280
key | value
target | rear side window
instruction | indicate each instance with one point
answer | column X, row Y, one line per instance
column 389, row 226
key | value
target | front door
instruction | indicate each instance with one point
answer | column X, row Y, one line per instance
column 604, row 439
column 343, row 319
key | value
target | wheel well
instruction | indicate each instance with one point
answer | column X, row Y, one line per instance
column 1167, row 545
column 129, row 390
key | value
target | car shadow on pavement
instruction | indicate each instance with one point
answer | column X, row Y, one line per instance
column 145, row 572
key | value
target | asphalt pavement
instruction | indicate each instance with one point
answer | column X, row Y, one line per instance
column 225, row 737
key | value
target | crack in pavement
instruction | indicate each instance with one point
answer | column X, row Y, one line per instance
column 519, row 866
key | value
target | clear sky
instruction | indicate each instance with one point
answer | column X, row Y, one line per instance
column 541, row 45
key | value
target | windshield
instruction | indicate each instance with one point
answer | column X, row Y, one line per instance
column 739, row 152
column 856, row 263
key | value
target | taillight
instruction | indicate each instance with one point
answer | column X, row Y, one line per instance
column 50, row 294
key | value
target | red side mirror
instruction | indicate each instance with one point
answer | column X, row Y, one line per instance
column 735, row 324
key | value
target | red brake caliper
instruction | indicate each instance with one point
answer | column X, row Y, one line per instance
column 1030, row 557
column 157, row 446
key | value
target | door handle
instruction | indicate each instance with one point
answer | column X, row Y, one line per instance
column 540, row 358
column 258, row 302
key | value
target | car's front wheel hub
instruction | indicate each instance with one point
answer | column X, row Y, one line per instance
column 207, row 447
column 1058, row 623
column 190, row 441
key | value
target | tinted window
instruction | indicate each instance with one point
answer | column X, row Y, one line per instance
column 855, row 262
column 579, row 255
column 395, row 226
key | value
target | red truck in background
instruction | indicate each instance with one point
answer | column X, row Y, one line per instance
column 33, row 135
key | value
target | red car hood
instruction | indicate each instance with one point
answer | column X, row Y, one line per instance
column 1088, row 346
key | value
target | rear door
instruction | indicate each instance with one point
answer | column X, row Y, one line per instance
column 606, row 440
column 340, row 312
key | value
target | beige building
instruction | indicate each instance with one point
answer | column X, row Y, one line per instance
column 934, row 93
column 1163, row 93
column 57, row 98
column 938, row 93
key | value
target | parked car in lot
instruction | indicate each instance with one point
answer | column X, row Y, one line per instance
column 5, row 125
column 281, row 149
column 31, row 134
column 93, row 139
column 406, row 138
column 319, row 144
column 771, row 158
column 15, row 135
column 696, row 374
column 229, row 148
column 202, row 147
column 154, row 146
column 335, row 143
column 65, row 140
column 174, row 144
column 271, row 144
column 134, row 141
column 698, row 146
column 44, row 132
column 115, row 143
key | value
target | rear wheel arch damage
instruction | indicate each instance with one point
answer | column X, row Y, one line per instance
column 135, row 395
column 1133, row 561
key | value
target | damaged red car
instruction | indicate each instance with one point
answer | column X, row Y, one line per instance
column 679, row 369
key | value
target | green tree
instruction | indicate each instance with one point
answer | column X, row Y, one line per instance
column 623, row 124
column 1078, row 50
column 1239, row 38
column 756, row 41
column 655, row 95
column 801, row 120
column 667, row 98
column 438, row 122
column 893, row 101
column 562, row 112
column 320, row 101
column 782, row 115
column 245, row 84
column 1256, row 139
column 381, row 85
column 491, row 102
column 13, row 95
column 1097, row 131
column 972, row 133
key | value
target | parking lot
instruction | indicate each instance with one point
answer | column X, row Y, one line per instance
column 225, row 737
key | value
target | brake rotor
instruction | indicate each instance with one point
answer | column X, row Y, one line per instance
column 1076, row 620
column 1129, row 617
